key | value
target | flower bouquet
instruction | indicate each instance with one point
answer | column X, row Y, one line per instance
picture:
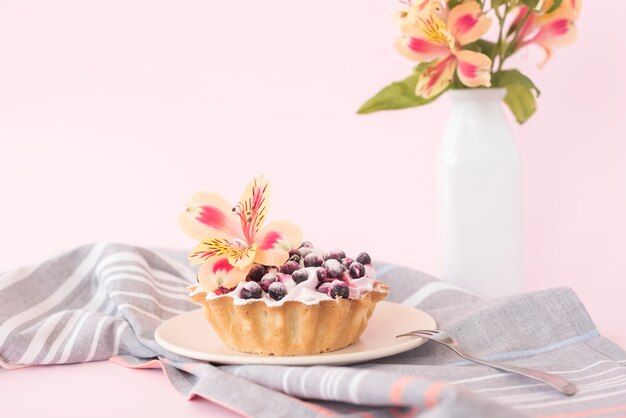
column 446, row 38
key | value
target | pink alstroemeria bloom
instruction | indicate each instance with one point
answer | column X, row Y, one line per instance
column 432, row 33
column 548, row 30
column 232, row 238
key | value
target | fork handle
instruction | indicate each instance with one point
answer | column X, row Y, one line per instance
column 562, row 385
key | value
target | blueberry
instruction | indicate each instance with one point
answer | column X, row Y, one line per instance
column 346, row 262
column 306, row 244
column 267, row 280
column 322, row 273
column 299, row 276
column 256, row 273
column 289, row 267
column 277, row 291
column 325, row 288
column 357, row 270
column 251, row 290
column 304, row 251
column 334, row 268
column 292, row 252
column 334, row 254
column 295, row 257
column 339, row 289
column 364, row 258
column 312, row 260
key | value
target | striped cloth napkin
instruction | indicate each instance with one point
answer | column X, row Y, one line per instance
column 104, row 301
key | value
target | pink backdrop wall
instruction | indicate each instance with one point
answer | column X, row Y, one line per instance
column 113, row 113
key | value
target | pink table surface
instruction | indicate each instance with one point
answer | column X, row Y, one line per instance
column 99, row 389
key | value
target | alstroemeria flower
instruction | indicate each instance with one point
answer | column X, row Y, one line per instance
column 431, row 33
column 232, row 238
column 548, row 30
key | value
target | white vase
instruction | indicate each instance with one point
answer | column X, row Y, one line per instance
column 480, row 196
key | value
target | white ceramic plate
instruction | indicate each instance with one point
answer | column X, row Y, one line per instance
column 190, row 335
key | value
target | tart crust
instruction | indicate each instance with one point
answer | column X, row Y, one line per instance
column 292, row 328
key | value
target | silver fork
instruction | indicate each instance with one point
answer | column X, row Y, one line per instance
column 562, row 385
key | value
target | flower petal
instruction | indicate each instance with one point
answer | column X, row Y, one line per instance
column 473, row 69
column 218, row 272
column 238, row 252
column 569, row 9
column 275, row 241
column 253, row 206
column 209, row 214
column 558, row 32
column 467, row 22
column 419, row 49
column 436, row 77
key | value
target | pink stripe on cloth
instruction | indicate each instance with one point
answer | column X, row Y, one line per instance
column 152, row 364
column 397, row 390
column 431, row 396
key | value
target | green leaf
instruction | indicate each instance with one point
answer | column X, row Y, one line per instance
column 397, row 95
column 555, row 6
column 530, row 3
column 509, row 77
column 519, row 93
column 453, row 3
column 485, row 47
column 521, row 101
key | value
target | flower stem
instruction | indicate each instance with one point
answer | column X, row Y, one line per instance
column 513, row 44
column 497, row 49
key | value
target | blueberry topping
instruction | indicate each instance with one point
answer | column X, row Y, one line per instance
column 256, row 273
column 346, row 262
column 364, row 258
column 334, row 268
column 299, row 276
column 334, row 254
column 357, row 270
column 325, row 288
column 289, row 267
column 304, row 251
column 267, row 280
column 322, row 273
column 312, row 260
column 339, row 289
column 251, row 290
column 277, row 291
column 306, row 244
column 292, row 252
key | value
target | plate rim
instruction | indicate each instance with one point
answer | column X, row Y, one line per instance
column 329, row 358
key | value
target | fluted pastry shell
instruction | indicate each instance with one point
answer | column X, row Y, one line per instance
column 292, row 328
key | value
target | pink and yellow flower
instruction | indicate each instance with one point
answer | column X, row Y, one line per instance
column 548, row 30
column 432, row 33
column 232, row 238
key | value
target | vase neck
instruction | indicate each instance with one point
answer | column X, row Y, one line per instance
column 477, row 95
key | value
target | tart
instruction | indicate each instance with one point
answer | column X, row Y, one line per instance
column 294, row 313
column 264, row 291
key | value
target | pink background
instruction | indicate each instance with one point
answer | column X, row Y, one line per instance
column 113, row 113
